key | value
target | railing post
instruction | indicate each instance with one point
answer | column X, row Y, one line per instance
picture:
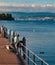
column 23, row 49
column 28, row 57
column 13, row 37
column 33, row 59
column 2, row 34
column 2, row 31
column 13, row 34
column 5, row 32
column 41, row 62
column 9, row 35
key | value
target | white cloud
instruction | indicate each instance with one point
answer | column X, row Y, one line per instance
column 33, row 5
column 27, row 7
column 4, row 4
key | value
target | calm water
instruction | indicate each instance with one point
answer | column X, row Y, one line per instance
column 40, row 36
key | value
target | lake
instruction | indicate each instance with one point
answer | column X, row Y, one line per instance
column 40, row 36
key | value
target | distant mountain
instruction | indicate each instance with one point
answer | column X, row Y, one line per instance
column 32, row 15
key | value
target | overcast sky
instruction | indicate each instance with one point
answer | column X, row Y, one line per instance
column 28, row 5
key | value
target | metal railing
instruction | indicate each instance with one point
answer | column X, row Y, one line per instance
column 27, row 52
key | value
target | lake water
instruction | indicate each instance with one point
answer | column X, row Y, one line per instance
column 40, row 36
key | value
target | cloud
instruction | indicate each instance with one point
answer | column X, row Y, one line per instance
column 27, row 7
column 17, row 5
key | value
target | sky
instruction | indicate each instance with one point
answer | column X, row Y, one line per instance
column 28, row 5
column 29, row 1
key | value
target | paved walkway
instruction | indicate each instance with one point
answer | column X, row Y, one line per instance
column 7, row 57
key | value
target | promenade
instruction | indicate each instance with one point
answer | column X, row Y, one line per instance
column 7, row 57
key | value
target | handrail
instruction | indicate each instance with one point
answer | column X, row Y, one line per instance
column 24, row 48
column 36, row 56
column 30, row 59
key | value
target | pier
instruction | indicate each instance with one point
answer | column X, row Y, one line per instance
column 8, row 57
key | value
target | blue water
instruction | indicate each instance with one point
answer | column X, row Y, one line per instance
column 40, row 36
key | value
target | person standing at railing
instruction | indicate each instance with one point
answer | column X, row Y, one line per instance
column 16, row 40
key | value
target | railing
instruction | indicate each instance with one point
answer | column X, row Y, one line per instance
column 26, row 54
column 24, row 51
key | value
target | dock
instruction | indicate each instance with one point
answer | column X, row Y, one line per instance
column 7, row 57
column 23, row 57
